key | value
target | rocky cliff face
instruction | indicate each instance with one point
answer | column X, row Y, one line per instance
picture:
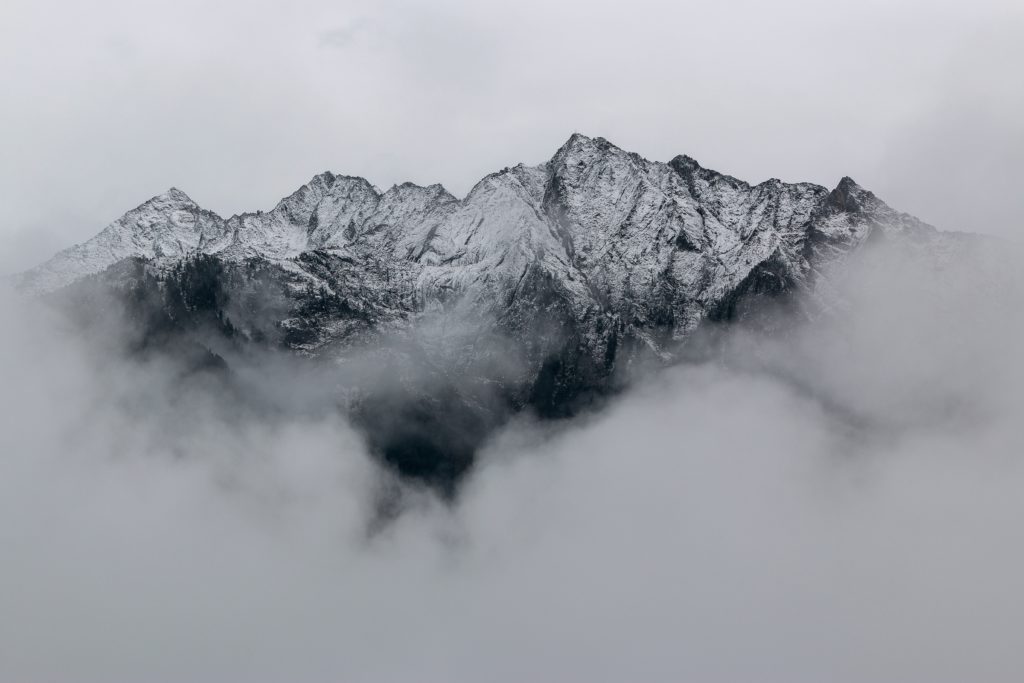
column 533, row 291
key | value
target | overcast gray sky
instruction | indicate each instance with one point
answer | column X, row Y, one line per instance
column 107, row 103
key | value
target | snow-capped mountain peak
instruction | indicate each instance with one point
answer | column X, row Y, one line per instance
column 532, row 290
column 602, row 221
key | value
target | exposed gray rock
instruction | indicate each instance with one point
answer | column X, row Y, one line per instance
column 534, row 290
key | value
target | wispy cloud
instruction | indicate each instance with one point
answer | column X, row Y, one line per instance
column 344, row 36
column 721, row 522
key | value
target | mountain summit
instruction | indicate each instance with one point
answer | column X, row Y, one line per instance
column 533, row 291
column 594, row 211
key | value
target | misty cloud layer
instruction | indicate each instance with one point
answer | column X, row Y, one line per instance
column 840, row 504
column 109, row 103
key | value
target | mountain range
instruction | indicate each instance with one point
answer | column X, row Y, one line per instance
column 441, row 317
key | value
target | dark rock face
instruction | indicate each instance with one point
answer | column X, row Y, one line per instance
column 442, row 317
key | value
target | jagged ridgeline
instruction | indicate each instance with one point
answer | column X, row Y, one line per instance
column 436, row 318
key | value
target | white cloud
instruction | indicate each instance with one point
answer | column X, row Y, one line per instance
column 842, row 505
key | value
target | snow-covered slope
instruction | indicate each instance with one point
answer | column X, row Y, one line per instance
column 602, row 230
column 533, row 291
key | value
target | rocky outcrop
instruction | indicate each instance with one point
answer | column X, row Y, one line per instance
column 533, row 291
